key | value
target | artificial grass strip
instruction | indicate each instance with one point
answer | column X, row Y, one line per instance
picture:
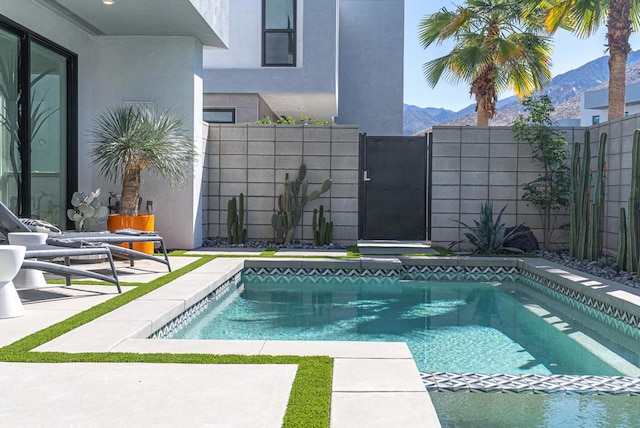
column 443, row 251
column 353, row 251
column 178, row 253
column 310, row 400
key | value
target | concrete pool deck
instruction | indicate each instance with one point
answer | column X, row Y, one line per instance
column 374, row 384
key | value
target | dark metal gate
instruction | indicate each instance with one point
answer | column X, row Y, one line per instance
column 393, row 188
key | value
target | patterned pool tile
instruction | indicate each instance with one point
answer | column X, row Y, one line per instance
column 552, row 384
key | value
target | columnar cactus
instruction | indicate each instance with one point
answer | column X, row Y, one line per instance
column 291, row 204
column 633, row 205
column 236, row 233
column 596, row 215
column 622, row 241
column 322, row 229
column 579, row 198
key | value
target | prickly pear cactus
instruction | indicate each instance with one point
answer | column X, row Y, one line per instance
column 291, row 205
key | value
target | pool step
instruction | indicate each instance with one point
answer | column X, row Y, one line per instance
column 395, row 247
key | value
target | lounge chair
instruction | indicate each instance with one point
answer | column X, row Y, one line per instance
column 10, row 223
column 52, row 251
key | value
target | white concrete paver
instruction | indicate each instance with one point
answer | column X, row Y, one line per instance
column 317, row 253
column 338, row 349
column 376, row 375
column 97, row 336
column 51, row 305
column 382, row 410
column 215, row 347
column 144, row 395
column 214, row 251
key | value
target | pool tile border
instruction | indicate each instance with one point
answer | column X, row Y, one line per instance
column 169, row 329
column 531, row 383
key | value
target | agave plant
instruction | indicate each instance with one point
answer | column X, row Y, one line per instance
column 129, row 139
column 489, row 236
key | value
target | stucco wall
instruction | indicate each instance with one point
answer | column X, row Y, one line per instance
column 253, row 160
column 371, row 64
column 128, row 69
column 116, row 69
column 239, row 70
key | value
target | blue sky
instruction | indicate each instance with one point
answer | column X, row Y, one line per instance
column 569, row 53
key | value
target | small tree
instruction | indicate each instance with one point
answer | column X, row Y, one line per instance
column 549, row 192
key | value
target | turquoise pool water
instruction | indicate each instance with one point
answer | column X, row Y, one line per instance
column 477, row 327
column 474, row 410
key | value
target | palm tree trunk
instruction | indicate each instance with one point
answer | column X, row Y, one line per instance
column 619, row 31
column 484, row 89
column 482, row 114
column 131, row 181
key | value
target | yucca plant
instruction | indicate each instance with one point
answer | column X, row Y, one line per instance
column 129, row 139
column 489, row 236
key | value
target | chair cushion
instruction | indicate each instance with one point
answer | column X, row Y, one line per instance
column 41, row 226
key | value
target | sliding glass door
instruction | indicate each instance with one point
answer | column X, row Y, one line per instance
column 36, row 139
column 10, row 164
column 48, row 129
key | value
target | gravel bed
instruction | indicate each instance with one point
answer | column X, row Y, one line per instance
column 261, row 243
column 606, row 267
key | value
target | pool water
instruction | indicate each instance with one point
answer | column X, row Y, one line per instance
column 472, row 327
column 459, row 409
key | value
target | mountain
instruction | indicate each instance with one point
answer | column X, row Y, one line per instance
column 416, row 118
column 564, row 90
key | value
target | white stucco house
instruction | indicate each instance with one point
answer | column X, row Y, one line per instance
column 224, row 61
column 594, row 105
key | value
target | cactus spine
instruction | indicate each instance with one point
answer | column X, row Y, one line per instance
column 236, row 233
column 291, row 204
column 322, row 229
column 596, row 215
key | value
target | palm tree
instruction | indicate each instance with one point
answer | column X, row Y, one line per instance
column 583, row 18
column 496, row 47
column 129, row 139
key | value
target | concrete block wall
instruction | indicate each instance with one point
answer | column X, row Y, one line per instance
column 474, row 164
column 254, row 160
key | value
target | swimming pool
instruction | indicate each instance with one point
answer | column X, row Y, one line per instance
column 566, row 398
column 490, row 325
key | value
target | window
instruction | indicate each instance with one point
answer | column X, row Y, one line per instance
column 279, row 33
column 38, row 150
column 219, row 115
column 595, row 119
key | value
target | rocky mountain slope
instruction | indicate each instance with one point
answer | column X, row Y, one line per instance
column 565, row 91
